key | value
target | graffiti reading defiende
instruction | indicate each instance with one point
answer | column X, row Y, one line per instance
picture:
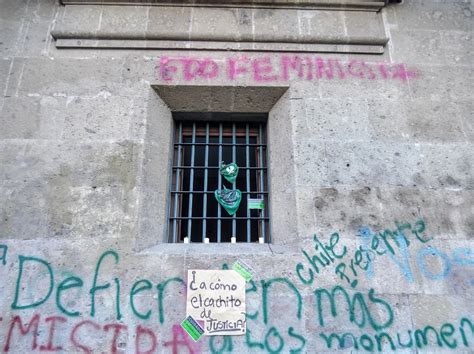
column 281, row 67
column 40, row 289
column 217, row 297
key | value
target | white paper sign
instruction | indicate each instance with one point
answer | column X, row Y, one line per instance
column 217, row 297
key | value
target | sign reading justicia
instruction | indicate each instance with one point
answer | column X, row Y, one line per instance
column 216, row 298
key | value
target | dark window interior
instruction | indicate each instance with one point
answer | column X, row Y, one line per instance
column 194, row 211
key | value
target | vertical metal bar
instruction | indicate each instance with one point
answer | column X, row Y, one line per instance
column 247, row 164
column 191, row 182
column 219, row 184
column 177, row 186
column 204, row 198
column 262, row 186
column 234, row 160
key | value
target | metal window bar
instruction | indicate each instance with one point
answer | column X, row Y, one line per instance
column 252, row 139
column 175, row 206
column 247, row 179
column 206, row 174
column 234, row 185
column 191, row 184
column 219, row 185
column 262, row 211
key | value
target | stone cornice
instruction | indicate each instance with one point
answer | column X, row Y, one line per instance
column 217, row 28
column 367, row 5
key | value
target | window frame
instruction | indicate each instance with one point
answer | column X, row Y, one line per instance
column 199, row 124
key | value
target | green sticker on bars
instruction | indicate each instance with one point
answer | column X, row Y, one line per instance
column 192, row 328
column 256, row 203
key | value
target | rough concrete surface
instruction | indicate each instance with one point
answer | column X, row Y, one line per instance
column 370, row 155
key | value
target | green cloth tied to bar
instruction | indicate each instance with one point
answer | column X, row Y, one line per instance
column 229, row 171
column 229, row 199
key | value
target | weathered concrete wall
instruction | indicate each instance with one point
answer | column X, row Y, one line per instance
column 381, row 147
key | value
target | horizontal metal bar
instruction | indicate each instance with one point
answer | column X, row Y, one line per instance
column 219, row 218
column 214, row 168
column 222, row 144
column 212, row 192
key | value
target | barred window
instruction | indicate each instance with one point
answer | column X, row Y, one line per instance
column 203, row 142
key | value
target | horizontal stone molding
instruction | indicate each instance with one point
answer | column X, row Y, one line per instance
column 220, row 29
column 370, row 5
column 219, row 46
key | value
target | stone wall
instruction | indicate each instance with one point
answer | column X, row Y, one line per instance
column 371, row 170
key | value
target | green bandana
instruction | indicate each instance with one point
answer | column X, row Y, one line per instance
column 230, row 171
column 229, row 199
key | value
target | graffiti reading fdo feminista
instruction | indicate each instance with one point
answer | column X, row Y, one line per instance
column 278, row 68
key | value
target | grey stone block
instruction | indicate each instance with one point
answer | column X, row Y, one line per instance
column 23, row 214
column 373, row 164
column 90, row 164
column 363, row 88
column 77, row 18
column 343, row 209
column 72, row 77
column 333, row 119
column 418, row 47
column 448, row 165
column 88, row 211
column 13, row 9
column 119, row 20
column 432, row 47
column 431, row 15
column 33, row 117
column 434, row 121
column 14, row 76
column 5, row 65
column 311, row 163
column 11, row 37
column 447, row 213
column 18, row 118
column 435, row 310
column 169, row 20
column 458, row 48
column 98, row 118
column 388, row 120
column 437, row 82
